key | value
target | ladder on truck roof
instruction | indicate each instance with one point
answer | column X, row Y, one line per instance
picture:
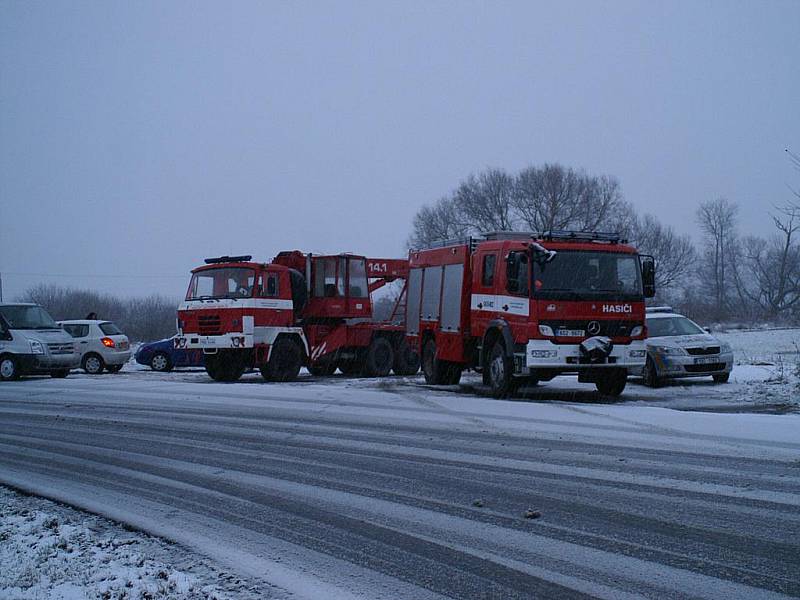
column 560, row 235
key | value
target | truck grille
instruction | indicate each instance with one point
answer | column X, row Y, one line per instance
column 61, row 348
column 703, row 351
column 209, row 325
column 610, row 328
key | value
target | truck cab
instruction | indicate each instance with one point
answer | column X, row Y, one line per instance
column 236, row 310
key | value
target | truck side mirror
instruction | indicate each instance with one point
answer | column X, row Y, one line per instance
column 5, row 334
column 648, row 275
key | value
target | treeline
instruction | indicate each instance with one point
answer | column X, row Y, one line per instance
column 141, row 319
column 725, row 276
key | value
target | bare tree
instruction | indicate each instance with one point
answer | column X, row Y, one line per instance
column 717, row 220
column 674, row 254
column 555, row 197
column 147, row 318
column 484, row 202
column 441, row 221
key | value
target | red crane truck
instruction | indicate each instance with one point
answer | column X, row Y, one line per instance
column 523, row 307
column 298, row 310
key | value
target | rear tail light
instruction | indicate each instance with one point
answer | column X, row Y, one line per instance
column 108, row 342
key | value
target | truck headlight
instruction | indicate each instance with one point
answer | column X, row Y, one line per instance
column 546, row 330
column 36, row 347
column 637, row 331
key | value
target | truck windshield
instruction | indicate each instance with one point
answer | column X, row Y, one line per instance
column 578, row 275
column 227, row 282
column 27, row 317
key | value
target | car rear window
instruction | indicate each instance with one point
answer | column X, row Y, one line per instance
column 110, row 328
column 77, row 331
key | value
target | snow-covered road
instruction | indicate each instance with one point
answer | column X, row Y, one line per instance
column 392, row 490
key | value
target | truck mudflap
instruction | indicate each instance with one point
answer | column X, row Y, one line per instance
column 543, row 354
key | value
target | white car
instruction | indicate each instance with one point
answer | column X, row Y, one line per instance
column 679, row 347
column 101, row 345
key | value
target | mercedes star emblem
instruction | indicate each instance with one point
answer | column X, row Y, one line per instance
column 593, row 327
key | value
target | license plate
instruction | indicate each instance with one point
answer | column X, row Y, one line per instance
column 569, row 332
column 705, row 361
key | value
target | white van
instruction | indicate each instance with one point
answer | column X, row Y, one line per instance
column 31, row 342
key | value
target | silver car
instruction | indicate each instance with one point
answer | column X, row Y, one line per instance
column 101, row 345
column 679, row 347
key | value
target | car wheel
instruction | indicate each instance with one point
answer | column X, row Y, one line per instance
column 92, row 364
column 59, row 374
column 161, row 362
column 650, row 374
column 612, row 383
column 501, row 370
column 721, row 377
column 9, row 368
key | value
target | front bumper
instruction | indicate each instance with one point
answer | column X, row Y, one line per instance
column 691, row 366
column 44, row 363
column 212, row 343
column 544, row 354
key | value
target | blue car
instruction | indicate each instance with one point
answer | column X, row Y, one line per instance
column 163, row 356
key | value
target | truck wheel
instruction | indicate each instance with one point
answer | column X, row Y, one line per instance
column 432, row 367
column 223, row 367
column 59, row 374
column 323, row 369
column 406, row 361
column 161, row 362
column 9, row 369
column 501, row 369
column 284, row 361
column 92, row 364
column 380, row 358
column 650, row 374
column 721, row 377
column 612, row 383
column 351, row 368
column 452, row 374
column 114, row 368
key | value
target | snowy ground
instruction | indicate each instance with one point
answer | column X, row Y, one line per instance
column 349, row 488
column 52, row 551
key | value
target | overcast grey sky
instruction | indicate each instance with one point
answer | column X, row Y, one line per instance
column 137, row 138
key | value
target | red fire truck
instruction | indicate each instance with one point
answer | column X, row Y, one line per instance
column 298, row 310
column 523, row 307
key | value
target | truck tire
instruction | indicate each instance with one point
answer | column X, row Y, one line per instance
column 9, row 368
column 224, row 366
column 114, row 368
column 650, row 374
column 352, row 367
column 721, row 377
column 436, row 370
column 612, row 383
column 285, row 361
column 93, row 364
column 406, row 360
column 322, row 369
column 379, row 359
column 501, row 372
